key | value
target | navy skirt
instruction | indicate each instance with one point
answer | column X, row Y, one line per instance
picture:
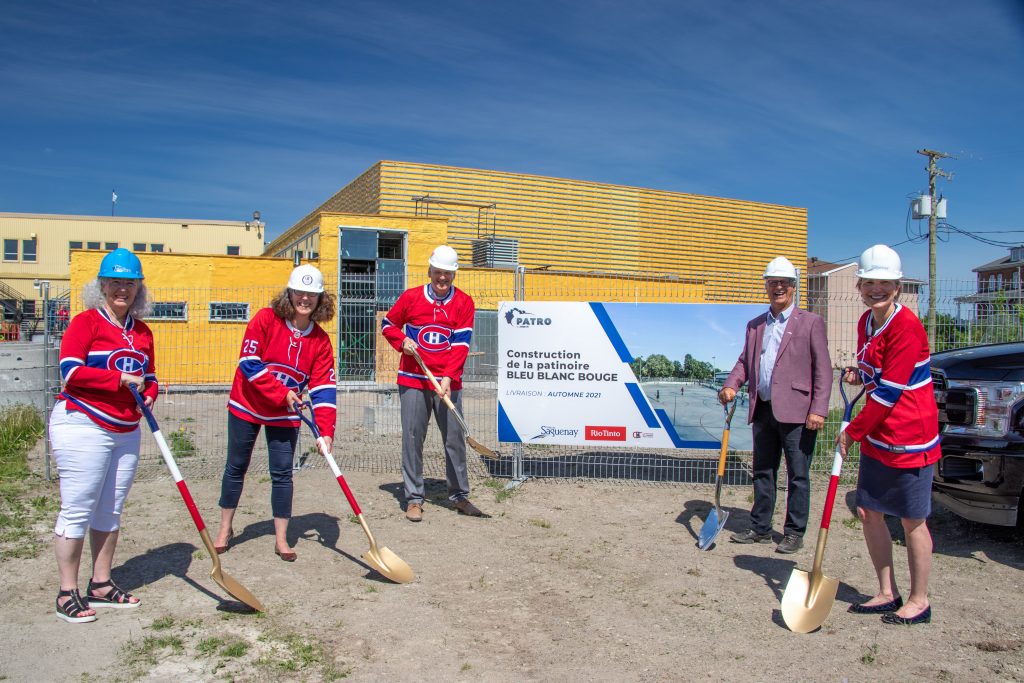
column 897, row 491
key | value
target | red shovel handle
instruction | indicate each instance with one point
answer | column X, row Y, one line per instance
column 191, row 505
column 330, row 459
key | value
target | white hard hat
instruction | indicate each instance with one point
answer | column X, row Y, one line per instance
column 880, row 263
column 780, row 266
column 444, row 258
column 306, row 278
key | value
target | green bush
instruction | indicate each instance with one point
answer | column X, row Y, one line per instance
column 20, row 428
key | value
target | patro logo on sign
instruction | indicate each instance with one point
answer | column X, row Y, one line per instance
column 605, row 433
column 555, row 431
column 434, row 338
column 517, row 317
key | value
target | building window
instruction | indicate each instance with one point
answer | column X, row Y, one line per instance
column 28, row 308
column 138, row 246
column 10, row 250
column 28, row 250
column 1015, row 280
column 233, row 251
column 95, row 246
column 991, row 283
column 169, row 310
column 229, row 311
column 110, row 246
column 156, row 248
column 71, row 247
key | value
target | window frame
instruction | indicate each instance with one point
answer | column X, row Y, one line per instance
column 14, row 241
column 156, row 315
column 213, row 305
column 35, row 250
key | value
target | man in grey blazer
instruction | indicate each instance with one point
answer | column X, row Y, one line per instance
column 785, row 362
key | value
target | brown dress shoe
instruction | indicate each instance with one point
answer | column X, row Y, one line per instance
column 466, row 508
column 414, row 512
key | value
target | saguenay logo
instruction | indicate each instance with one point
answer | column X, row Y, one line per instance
column 288, row 376
column 604, row 433
column 517, row 317
column 555, row 431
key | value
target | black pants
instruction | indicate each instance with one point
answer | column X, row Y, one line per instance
column 771, row 439
column 281, row 447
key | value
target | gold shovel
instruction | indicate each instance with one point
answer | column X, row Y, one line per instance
column 473, row 443
column 225, row 581
column 385, row 562
column 808, row 598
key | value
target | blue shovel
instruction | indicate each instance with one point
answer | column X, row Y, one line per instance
column 715, row 522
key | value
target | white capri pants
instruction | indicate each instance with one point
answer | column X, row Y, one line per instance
column 96, row 469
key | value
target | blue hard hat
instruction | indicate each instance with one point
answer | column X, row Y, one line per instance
column 122, row 264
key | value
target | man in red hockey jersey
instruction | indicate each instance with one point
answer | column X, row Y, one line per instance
column 436, row 319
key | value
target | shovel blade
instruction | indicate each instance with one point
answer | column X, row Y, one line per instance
column 237, row 590
column 807, row 600
column 389, row 565
column 482, row 449
column 713, row 526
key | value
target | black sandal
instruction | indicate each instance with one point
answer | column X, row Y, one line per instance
column 71, row 609
column 116, row 597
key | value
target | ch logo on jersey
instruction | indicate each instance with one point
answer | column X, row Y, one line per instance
column 127, row 360
column 434, row 338
column 286, row 375
column 868, row 376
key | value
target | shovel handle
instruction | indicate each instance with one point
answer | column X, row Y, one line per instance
column 437, row 389
column 165, row 451
column 330, row 458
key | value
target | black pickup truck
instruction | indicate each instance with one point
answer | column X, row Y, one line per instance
column 980, row 394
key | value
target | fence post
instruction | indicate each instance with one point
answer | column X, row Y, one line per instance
column 518, row 477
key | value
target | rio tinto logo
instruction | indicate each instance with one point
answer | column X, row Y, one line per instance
column 591, row 433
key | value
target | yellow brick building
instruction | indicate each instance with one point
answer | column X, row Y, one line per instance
column 518, row 236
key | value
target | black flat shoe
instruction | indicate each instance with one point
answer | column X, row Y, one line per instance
column 923, row 618
column 890, row 606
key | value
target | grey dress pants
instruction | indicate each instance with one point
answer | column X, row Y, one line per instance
column 417, row 406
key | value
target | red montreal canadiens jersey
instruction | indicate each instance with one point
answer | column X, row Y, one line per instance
column 94, row 352
column 277, row 358
column 899, row 423
column 442, row 328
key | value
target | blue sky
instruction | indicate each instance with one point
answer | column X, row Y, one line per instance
column 214, row 109
column 669, row 329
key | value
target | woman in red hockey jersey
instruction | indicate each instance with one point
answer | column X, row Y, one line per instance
column 284, row 353
column 898, row 435
column 94, row 429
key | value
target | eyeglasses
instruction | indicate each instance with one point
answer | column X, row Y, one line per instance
column 778, row 283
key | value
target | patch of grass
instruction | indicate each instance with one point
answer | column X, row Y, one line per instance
column 466, row 666
column 852, row 523
column 162, row 623
column 21, row 506
column 149, row 649
column 354, row 519
column 208, row 646
column 870, row 654
column 542, row 523
column 181, row 442
column 501, row 492
column 235, row 649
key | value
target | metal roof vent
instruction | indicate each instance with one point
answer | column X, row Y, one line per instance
column 495, row 252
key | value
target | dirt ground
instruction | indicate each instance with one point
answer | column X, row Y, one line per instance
column 565, row 581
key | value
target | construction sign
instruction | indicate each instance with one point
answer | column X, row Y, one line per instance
column 565, row 374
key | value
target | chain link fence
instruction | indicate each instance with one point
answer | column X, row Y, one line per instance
column 199, row 332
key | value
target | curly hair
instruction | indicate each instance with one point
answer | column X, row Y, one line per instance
column 324, row 311
column 92, row 297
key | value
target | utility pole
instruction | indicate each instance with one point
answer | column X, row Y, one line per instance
column 933, row 172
